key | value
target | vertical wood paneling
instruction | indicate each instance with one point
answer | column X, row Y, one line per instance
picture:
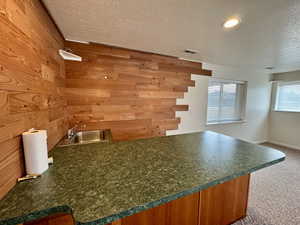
column 56, row 219
column 183, row 211
column 225, row 203
column 142, row 89
column 32, row 80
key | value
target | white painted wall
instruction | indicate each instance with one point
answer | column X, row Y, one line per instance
column 255, row 129
column 284, row 127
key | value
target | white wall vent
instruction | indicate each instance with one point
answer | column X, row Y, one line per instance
column 69, row 56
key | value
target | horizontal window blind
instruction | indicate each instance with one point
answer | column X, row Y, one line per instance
column 288, row 97
column 225, row 100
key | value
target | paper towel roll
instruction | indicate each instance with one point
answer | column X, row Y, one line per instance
column 36, row 151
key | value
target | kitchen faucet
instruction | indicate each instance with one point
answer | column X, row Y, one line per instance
column 72, row 132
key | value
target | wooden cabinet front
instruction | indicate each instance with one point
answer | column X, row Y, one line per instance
column 183, row 211
column 222, row 204
column 225, row 203
column 56, row 219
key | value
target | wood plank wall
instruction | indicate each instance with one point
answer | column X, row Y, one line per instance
column 132, row 93
column 32, row 78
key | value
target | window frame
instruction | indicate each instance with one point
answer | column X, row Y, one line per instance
column 243, row 101
column 276, row 96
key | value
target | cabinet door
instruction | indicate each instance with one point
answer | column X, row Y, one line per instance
column 154, row 216
column 183, row 211
column 225, row 203
column 56, row 219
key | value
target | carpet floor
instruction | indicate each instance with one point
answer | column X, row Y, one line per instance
column 274, row 197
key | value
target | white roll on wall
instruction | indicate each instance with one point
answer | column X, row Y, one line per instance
column 35, row 151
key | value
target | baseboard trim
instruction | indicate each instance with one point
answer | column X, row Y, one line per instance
column 284, row 145
column 259, row 142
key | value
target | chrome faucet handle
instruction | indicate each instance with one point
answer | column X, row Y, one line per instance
column 72, row 131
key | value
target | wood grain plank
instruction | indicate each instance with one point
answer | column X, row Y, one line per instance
column 93, row 100
column 154, row 216
column 27, row 102
column 10, row 169
column 159, row 94
column 32, row 78
column 118, row 222
column 99, row 84
column 166, row 124
column 3, row 103
column 12, row 80
column 136, row 84
column 181, row 108
column 69, row 92
column 171, row 68
column 225, row 203
column 12, row 129
column 56, row 219
column 184, row 211
column 9, row 147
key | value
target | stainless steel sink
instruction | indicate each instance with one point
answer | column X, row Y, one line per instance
column 86, row 137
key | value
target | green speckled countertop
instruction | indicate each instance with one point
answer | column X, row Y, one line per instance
column 104, row 182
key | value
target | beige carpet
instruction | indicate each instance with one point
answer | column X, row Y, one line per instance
column 275, row 193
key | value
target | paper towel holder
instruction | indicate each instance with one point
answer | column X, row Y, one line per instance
column 35, row 151
column 34, row 176
column 28, row 177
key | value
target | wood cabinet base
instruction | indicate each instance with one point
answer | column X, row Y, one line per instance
column 57, row 219
column 222, row 204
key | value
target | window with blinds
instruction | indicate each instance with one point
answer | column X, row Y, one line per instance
column 288, row 96
column 226, row 101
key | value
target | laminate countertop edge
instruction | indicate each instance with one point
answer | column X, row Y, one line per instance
column 207, row 154
column 137, row 209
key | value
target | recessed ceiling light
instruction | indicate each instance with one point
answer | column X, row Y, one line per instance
column 232, row 22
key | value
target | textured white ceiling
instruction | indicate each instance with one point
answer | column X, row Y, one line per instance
column 269, row 34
